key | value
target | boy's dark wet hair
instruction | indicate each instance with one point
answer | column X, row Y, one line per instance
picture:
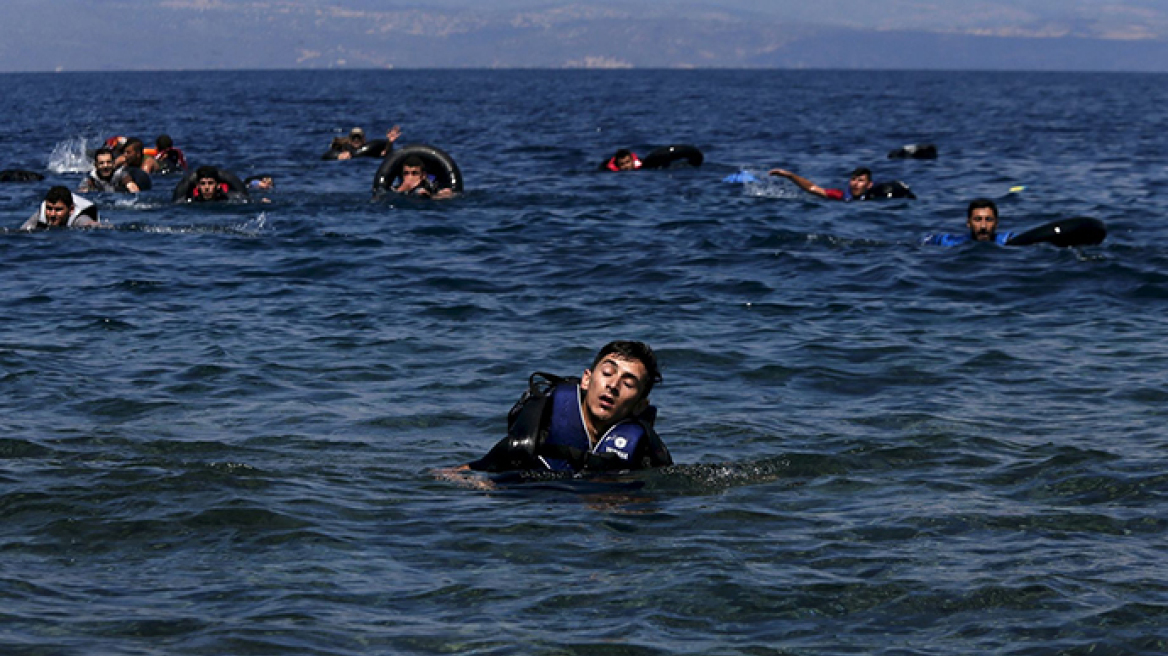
column 981, row 203
column 863, row 170
column 59, row 194
column 629, row 350
column 207, row 172
column 163, row 142
column 414, row 161
column 622, row 153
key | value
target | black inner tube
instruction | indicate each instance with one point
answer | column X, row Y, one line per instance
column 20, row 175
column 885, row 190
column 1077, row 231
column 372, row 148
column 914, row 151
column 437, row 162
column 671, row 157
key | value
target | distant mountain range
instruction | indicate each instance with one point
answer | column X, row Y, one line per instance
column 213, row 34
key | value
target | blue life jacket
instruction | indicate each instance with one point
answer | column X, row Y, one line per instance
column 949, row 239
column 545, row 432
column 566, row 431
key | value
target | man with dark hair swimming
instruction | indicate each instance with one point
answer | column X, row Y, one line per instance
column 601, row 421
column 133, row 173
column 623, row 160
column 62, row 209
column 981, row 217
column 858, row 185
column 416, row 182
column 101, row 178
column 208, row 187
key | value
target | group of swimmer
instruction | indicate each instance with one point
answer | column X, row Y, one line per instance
column 981, row 215
column 601, row 421
column 124, row 165
column 981, row 218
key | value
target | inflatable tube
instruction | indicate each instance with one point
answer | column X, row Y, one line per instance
column 437, row 162
column 20, row 175
column 914, row 151
column 671, row 157
column 182, row 191
column 1077, row 231
column 371, row 149
column 885, row 190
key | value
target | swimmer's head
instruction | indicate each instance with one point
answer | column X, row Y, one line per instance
column 413, row 166
column 623, row 160
column 618, row 383
column 163, row 142
column 357, row 136
column 58, row 205
column 207, row 181
column 860, row 181
column 634, row 351
column 982, row 219
column 103, row 163
column 133, row 152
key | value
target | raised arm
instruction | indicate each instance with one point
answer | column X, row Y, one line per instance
column 801, row 182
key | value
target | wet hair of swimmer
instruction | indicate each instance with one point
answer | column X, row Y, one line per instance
column 102, row 151
column 863, row 170
column 163, row 142
column 622, row 153
column 59, row 194
column 414, row 161
column 981, row 203
column 638, row 351
column 207, row 172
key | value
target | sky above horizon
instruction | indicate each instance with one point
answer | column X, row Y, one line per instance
column 30, row 42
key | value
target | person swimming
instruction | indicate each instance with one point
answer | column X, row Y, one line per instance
column 415, row 181
column 601, row 421
column 623, row 160
column 981, row 217
column 62, row 208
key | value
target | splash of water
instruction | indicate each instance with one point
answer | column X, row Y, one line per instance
column 69, row 156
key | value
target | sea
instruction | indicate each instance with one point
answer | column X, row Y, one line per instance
column 222, row 428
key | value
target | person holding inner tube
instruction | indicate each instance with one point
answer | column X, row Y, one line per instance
column 982, row 221
column 62, row 209
column 208, row 187
column 981, row 217
column 601, row 421
column 858, row 185
column 101, row 178
column 416, row 182
column 623, row 160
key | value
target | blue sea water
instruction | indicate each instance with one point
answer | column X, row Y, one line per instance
column 219, row 425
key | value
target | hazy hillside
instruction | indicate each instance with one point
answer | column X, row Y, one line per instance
column 198, row 34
